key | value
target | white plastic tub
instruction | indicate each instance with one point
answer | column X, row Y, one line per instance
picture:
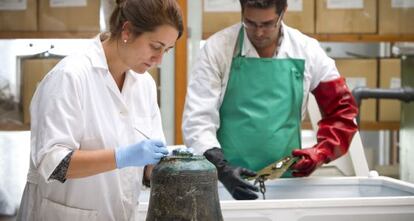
column 321, row 198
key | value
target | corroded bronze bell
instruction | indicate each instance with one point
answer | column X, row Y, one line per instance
column 184, row 188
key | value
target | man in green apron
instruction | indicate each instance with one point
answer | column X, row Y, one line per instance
column 248, row 91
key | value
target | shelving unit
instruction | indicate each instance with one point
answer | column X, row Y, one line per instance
column 355, row 38
column 369, row 126
column 45, row 34
column 13, row 127
column 181, row 62
column 320, row 37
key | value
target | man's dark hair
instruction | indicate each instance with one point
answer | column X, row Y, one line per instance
column 280, row 4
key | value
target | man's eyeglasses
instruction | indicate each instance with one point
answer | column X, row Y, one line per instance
column 266, row 26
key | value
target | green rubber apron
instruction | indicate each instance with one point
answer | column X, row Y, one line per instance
column 261, row 110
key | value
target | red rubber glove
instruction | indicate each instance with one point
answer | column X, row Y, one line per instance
column 311, row 158
column 336, row 128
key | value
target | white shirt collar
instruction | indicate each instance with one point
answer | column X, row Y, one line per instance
column 98, row 58
column 96, row 54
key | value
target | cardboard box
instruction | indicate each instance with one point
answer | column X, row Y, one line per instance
column 390, row 77
column 22, row 18
column 346, row 16
column 396, row 17
column 361, row 72
column 300, row 15
column 32, row 72
column 216, row 21
column 304, row 19
column 69, row 18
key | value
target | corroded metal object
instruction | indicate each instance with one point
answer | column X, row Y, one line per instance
column 184, row 188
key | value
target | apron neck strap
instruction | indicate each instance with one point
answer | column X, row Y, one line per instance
column 239, row 44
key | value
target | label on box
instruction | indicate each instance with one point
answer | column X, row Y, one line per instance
column 402, row 4
column 354, row 82
column 295, row 5
column 222, row 6
column 395, row 83
column 345, row 4
column 13, row 5
column 67, row 3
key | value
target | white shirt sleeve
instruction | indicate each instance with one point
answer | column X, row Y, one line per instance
column 322, row 67
column 201, row 112
column 56, row 120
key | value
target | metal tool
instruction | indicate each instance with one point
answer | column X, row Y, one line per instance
column 272, row 171
column 169, row 148
column 142, row 133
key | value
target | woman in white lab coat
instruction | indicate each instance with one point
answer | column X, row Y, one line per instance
column 95, row 120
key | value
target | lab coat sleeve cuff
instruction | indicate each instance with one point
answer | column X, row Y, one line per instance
column 51, row 160
column 201, row 147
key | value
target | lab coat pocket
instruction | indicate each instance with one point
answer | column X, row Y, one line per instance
column 51, row 211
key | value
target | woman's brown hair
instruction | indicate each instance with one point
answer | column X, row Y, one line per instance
column 145, row 16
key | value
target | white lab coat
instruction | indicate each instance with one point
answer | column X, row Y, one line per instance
column 208, row 79
column 79, row 106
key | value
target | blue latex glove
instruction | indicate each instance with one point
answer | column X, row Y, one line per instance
column 140, row 154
